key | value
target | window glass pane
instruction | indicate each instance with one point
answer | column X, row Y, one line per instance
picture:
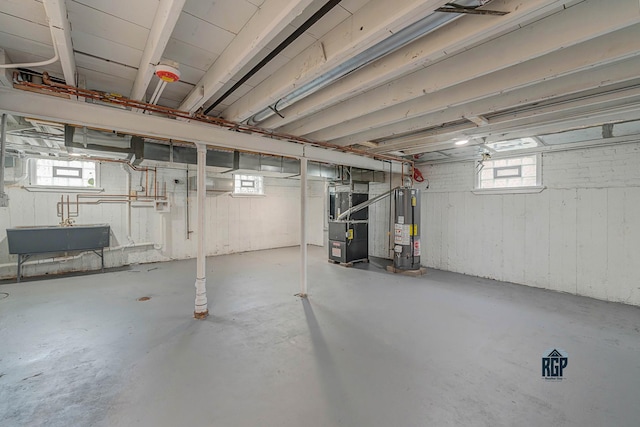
column 509, row 173
column 248, row 184
column 64, row 173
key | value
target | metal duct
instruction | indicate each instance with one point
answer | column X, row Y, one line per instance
column 213, row 184
column 235, row 160
column 366, row 204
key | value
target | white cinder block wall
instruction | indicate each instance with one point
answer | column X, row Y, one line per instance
column 580, row 235
column 234, row 224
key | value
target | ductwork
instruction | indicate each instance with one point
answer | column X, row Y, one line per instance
column 260, row 164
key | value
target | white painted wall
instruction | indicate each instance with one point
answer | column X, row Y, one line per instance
column 234, row 224
column 580, row 235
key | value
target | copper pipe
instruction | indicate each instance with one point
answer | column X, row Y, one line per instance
column 53, row 87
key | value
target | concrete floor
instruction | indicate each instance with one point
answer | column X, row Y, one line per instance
column 367, row 349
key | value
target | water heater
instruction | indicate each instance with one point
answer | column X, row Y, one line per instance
column 406, row 240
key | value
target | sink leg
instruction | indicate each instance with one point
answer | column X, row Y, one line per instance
column 19, row 267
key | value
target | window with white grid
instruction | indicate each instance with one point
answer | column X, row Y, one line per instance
column 514, row 172
column 248, row 185
column 63, row 173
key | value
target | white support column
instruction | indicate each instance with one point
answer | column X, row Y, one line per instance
column 303, row 227
column 201, row 310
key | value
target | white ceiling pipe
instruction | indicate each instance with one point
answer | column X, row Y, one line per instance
column 55, row 58
column 158, row 91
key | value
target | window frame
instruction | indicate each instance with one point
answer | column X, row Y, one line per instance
column 537, row 188
column 239, row 181
column 33, row 178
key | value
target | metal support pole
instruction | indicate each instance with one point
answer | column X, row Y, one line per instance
column 19, row 267
column 3, row 139
column 201, row 310
column 303, row 227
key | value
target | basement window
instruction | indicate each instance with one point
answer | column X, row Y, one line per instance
column 62, row 173
column 513, row 173
column 248, row 185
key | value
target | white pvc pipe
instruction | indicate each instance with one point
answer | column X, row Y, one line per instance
column 55, row 58
column 303, row 227
column 201, row 311
column 158, row 91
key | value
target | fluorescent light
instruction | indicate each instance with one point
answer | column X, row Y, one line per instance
column 462, row 142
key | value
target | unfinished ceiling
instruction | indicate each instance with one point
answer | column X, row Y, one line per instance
column 402, row 77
